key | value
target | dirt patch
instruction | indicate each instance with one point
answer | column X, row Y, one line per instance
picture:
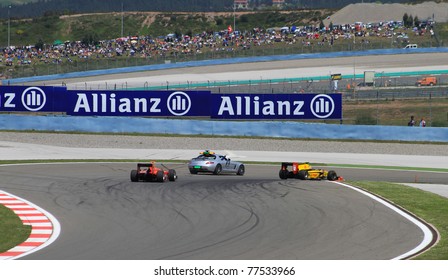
column 374, row 12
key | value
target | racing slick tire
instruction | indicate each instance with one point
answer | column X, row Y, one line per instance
column 172, row 175
column 332, row 176
column 241, row 170
column 160, row 176
column 218, row 169
column 283, row 174
column 303, row 175
column 134, row 176
column 192, row 171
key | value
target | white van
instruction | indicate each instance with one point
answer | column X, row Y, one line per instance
column 411, row 46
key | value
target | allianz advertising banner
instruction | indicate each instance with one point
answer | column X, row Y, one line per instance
column 170, row 103
column 277, row 106
column 32, row 99
column 139, row 103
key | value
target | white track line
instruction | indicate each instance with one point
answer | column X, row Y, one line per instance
column 427, row 232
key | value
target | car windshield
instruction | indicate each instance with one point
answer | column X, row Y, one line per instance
column 202, row 157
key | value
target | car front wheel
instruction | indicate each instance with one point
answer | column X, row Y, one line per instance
column 332, row 176
column 172, row 175
column 241, row 170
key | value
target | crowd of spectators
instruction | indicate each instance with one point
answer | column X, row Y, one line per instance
column 173, row 45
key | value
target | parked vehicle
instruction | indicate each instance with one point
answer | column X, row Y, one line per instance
column 411, row 46
column 427, row 81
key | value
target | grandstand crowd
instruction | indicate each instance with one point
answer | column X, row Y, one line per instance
column 224, row 41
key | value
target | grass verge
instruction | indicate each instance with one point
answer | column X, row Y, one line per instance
column 12, row 230
column 430, row 207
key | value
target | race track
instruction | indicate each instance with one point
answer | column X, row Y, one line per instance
column 258, row 216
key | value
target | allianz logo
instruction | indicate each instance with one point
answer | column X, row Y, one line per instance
column 33, row 99
column 178, row 103
column 321, row 106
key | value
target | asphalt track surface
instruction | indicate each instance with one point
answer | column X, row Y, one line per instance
column 257, row 216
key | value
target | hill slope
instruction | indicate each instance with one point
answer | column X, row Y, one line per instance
column 374, row 12
column 36, row 8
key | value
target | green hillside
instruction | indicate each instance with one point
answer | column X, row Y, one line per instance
column 109, row 25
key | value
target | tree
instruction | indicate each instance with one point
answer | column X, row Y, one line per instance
column 416, row 21
column 40, row 44
column 410, row 21
column 405, row 19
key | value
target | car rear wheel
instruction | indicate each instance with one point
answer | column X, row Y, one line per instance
column 283, row 174
column 332, row 176
column 192, row 171
column 218, row 169
column 241, row 170
column 303, row 175
column 134, row 176
column 160, row 176
column 172, row 175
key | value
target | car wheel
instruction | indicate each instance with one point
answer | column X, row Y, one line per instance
column 134, row 175
column 160, row 176
column 218, row 169
column 172, row 175
column 241, row 170
column 303, row 175
column 332, row 176
column 192, row 171
column 283, row 174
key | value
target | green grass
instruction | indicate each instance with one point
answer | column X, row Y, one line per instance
column 397, row 111
column 428, row 206
column 12, row 230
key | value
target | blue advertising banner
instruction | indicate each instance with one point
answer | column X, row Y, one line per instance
column 277, row 106
column 139, row 103
column 170, row 103
column 33, row 99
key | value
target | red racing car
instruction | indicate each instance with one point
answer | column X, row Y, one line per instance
column 148, row 172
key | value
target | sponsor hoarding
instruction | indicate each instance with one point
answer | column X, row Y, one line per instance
column 170, row 103
column 139, row 103
column 32, row 99
column 277, row 106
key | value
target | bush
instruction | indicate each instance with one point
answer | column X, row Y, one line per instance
column 439, row 124
column 365, row 120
